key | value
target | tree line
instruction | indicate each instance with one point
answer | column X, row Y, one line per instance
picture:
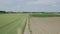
column 28, row 12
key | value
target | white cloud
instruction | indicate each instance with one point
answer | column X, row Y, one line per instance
column 42, row 2
column 29, row 5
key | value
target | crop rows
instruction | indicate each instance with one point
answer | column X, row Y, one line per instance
column 12, row 23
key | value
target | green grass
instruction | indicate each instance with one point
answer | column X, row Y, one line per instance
column 9, row 23
column 45, row 15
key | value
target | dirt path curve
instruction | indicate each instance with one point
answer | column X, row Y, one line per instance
column 49, row 25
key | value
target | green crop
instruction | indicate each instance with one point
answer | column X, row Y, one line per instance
column 45, row 15
column 12, row 23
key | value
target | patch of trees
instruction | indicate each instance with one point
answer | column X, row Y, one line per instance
column 2, row 11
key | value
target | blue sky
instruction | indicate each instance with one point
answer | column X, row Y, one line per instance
column 30, row 5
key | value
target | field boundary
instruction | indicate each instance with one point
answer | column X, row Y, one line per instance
column 29, row 24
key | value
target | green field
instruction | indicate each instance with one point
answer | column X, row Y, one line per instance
column 12, row 23
column 45, row 15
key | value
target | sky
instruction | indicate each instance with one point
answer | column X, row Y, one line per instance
column 30, row 5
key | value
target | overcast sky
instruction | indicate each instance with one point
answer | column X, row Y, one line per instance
column 30, row 5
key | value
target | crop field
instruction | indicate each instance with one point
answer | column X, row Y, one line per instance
column 46, row 15
column 45, row 24
column 12, row 23
column 48, row 25
column 35, row 23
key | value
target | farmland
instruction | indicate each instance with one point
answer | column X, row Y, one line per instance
column 45, row 24
column 12, row 23
column 46, row 15
column 36, row 23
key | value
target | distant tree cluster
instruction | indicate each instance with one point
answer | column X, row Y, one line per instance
column 2, row 11
column 30, row 12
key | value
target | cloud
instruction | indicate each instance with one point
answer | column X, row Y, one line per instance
column 41, row 2
column 30, row 5
column 10, row 4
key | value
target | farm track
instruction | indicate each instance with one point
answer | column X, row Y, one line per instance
column 27, row 28
column 47, row 25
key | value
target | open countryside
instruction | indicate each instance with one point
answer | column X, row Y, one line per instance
column 36, row 23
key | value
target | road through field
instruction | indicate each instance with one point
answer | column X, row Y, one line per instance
column 45, row 25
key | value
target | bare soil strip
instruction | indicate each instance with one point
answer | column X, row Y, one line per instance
column 27, row 27
column 47, row 25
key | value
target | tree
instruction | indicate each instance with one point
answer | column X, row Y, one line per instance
column 2, row 12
